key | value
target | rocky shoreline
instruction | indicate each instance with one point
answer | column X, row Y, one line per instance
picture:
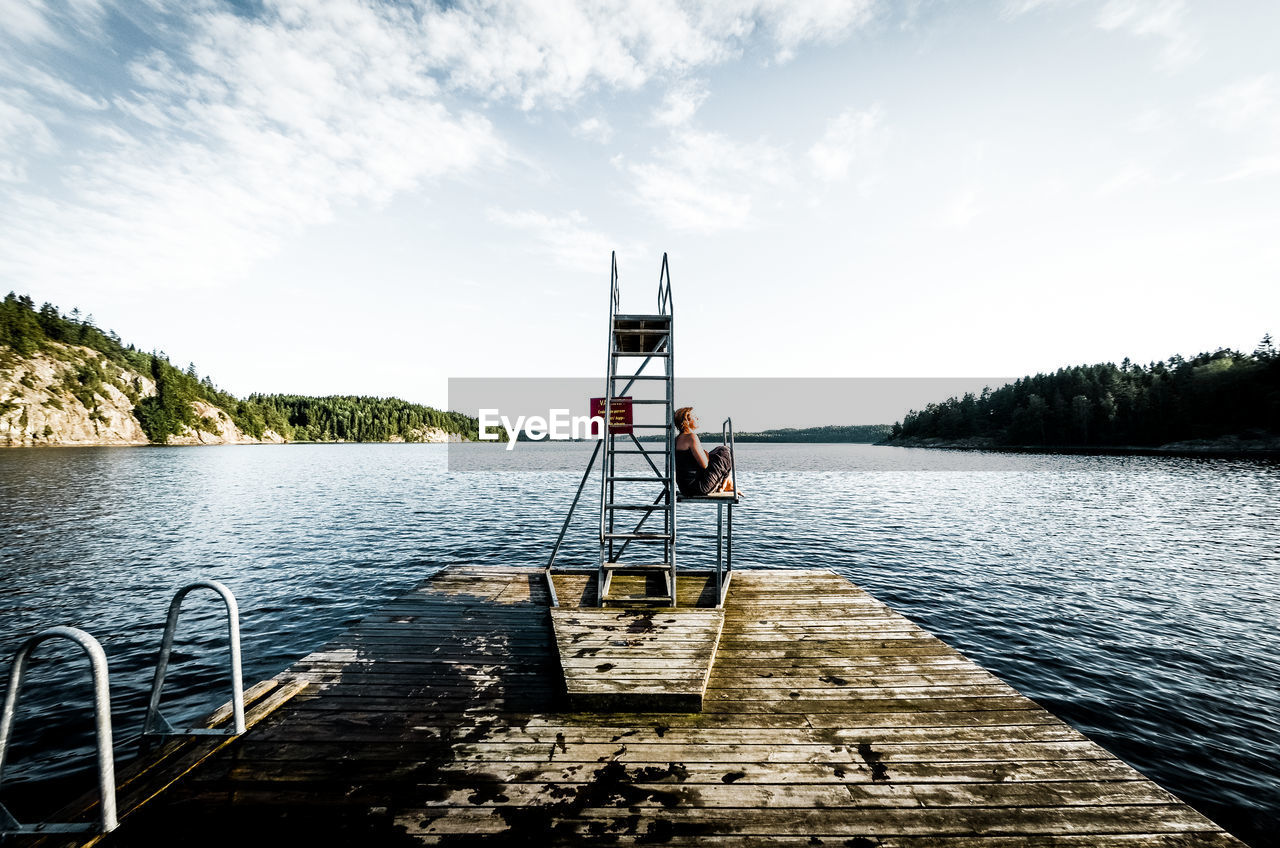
column 73, row 396
column 67, row 395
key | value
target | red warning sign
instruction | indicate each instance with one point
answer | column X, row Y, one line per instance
column 620, row 420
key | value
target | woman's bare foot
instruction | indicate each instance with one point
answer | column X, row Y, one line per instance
column 727, row 487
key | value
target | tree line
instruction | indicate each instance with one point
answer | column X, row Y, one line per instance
column 830, row 433
column 1207, row 396
column 857, row 433
column 25, row 330
column 353, row 418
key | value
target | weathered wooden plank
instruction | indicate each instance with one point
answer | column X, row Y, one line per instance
column 868, row 795
column 658, row 833
column 375, row 726
column 291, row 762
column 887, row 752
column 607, row 655
column 847, row 822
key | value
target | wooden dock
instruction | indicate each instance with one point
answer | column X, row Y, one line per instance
column 828, row 719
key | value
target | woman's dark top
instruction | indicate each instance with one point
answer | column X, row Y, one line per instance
column 693, row 480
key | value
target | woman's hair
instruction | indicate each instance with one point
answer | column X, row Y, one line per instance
column 682, row 416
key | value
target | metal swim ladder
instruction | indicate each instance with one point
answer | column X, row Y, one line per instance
column 156, row 724
column 102, row 723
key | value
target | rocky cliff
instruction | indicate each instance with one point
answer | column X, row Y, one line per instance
column 71, row 395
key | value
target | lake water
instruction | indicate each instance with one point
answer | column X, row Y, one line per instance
column 1135, row 597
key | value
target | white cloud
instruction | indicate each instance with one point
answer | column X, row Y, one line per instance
column 1161, row 19
column 594, row 129
column 22, row 132
column 850, row 136
column 37, row 22
column 1241, row 104
column 1164, row 20
column 245, row 132
column 1014, row 8
column 553, row 53
column 567, row 239
column 680, row 103
column 795, row 22
column 1125, row 179
column 1257, row 166
column 960, row 210
column 26, row 21
column 1149, row 120
column 236, row 131
column 706, row 182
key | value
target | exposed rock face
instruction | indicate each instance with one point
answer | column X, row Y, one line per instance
column 227, row 432
column 38, row 407
column 71, row 395
column 429, row 434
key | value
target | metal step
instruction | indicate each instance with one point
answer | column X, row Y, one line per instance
column 640, row 537
column 650, row 479
column 635, row 450
column 638, row 317
column 656, row 600
column 630, row 377
column 636, row 401
column 638, row 566
column 644, row 353
column 646, row 507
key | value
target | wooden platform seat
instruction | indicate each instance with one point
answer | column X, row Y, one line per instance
column 636, row 660
column 734, row 497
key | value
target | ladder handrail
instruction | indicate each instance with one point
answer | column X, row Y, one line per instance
column 155, row 724
column 665, row 306
column 616, row 292
column 605, row 436
column 102, row 726
column 726, row 438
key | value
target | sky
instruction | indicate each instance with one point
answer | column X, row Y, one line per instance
column 371, row 198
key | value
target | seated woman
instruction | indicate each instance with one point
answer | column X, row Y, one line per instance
column 699, row 473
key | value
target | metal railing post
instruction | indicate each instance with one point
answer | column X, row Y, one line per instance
column 102, row 725
column 155, row 724
column 720, row 548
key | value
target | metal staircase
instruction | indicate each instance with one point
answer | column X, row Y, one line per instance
column 639, row 477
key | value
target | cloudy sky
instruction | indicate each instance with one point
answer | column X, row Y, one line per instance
column 355, row 197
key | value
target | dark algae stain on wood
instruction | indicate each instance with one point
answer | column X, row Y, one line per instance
column 872, row 759
column 827, row 719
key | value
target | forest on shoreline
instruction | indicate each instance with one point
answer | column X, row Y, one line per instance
column 1210, row 396
column 865, row 434
column 26, row 330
